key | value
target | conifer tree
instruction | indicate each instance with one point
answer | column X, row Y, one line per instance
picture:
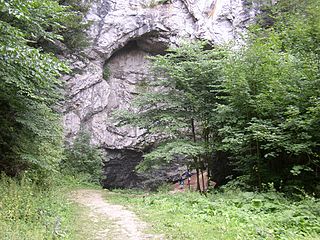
column 178, row 104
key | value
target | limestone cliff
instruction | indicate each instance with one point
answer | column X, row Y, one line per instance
column 123, row 33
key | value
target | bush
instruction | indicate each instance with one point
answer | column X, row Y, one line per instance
column 165, row 188
column 83, row 158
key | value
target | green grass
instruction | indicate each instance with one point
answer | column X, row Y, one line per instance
column 29, row 211
column 87, row 227
column 229, row 215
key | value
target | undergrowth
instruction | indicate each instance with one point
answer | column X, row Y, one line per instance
column 229, row 215
column 31, row 211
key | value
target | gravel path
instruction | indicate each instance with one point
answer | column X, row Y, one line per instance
column 127, row 224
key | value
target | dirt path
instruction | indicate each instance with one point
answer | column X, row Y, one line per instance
column 124, row 223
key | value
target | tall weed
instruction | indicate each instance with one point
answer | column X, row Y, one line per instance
column 28, row 211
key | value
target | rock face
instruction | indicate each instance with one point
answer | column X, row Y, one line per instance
column 123, row 33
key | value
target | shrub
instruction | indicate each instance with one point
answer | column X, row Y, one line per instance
column 83, row 158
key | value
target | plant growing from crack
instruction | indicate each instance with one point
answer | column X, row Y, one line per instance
column 154, row 3
column 106, row 72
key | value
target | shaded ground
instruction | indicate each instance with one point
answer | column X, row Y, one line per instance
column 102, row 220
column 192, row 185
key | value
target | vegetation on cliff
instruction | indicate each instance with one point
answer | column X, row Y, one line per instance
column 257, row 107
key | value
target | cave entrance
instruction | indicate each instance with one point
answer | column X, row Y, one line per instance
column 119, row 169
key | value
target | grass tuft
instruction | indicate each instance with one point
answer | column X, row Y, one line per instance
column 31, row 211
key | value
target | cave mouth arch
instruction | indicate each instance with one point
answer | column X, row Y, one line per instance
column 128, row 67
column 152, row 43
column 119, row 169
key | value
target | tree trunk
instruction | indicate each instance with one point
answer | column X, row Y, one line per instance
column 198, row 178
column 258, row 166
column 203, row 184
column 206, row 163
column 195, row 159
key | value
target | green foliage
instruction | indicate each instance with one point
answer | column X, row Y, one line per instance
column 170, row 150
column 164, row 188
column 177, row 105
column 74, row 33
column 31, row 134
column 154, row 3
column 258, row 106
column 35, row 19
column 83, row 159
column 269, row 125
column 106, row 72
column 30, row 212
column 228, row 215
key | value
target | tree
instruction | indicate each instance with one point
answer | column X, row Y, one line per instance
column 269, row 123
column 178, row 103
column 257, row 106
column 30, row 129
column 74, row 32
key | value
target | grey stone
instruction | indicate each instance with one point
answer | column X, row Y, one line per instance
column 123, row 34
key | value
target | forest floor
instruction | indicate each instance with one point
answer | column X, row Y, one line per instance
column 97, row 219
